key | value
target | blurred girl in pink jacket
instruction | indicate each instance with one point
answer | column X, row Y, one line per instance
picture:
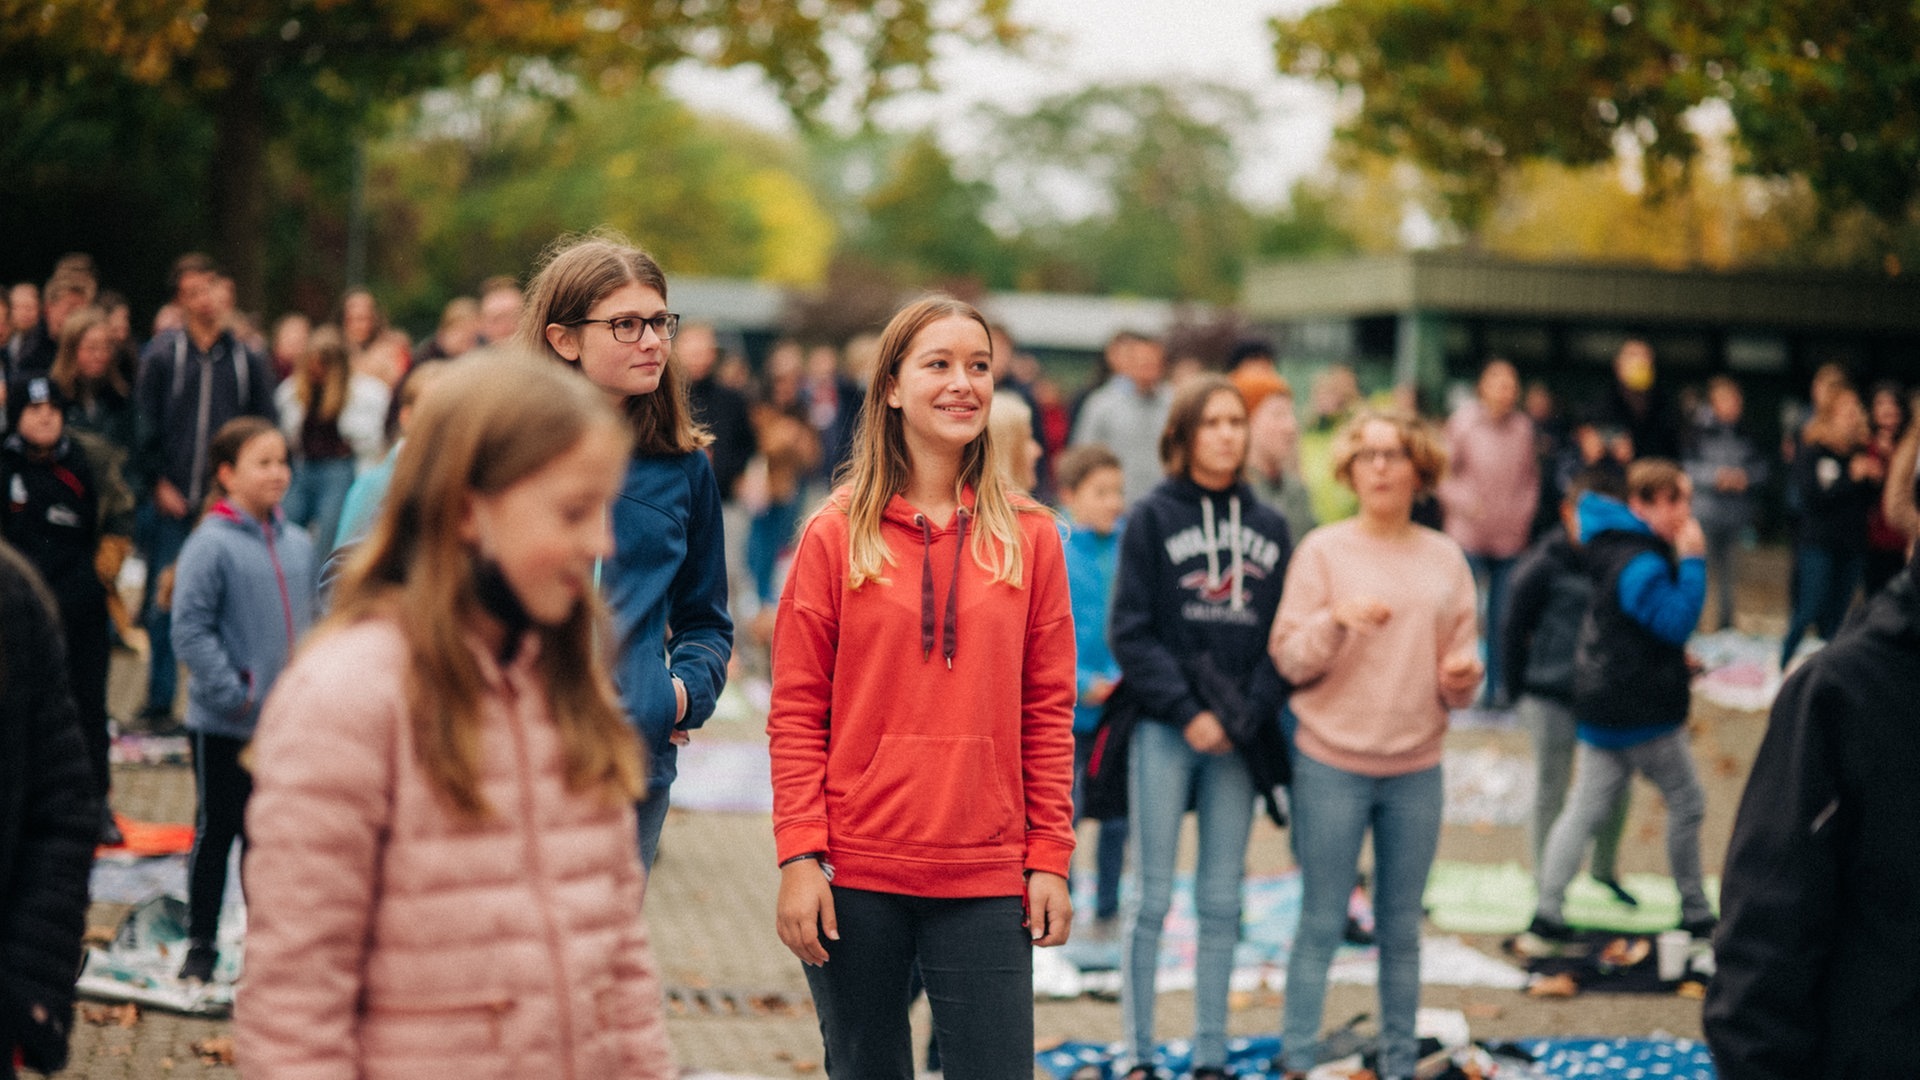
column 442, row 880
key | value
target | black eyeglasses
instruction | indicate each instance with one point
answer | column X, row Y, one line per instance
column 628, row 328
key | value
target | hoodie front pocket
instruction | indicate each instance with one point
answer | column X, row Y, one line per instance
column 931, row 790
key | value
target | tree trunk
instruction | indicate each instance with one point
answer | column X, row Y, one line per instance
column 239, row 185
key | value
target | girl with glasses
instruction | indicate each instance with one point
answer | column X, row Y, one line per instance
column 599, row 304
column 1377, row 634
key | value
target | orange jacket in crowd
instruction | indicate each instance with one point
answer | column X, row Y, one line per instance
column 915, row 774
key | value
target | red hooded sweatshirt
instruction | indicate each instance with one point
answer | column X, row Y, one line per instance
column 923, row 738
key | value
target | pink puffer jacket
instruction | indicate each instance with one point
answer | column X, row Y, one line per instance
column 389, row 940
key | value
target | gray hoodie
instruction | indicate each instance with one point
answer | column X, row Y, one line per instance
column 241, row 599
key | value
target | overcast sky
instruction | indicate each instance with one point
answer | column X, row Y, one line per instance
column 1088, row 41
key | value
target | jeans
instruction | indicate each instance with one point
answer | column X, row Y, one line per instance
column 976, row 961
column 1599, row 780
column 1164, row 777
column 1551, row 724
column 1490, row 574
column 316, row 497
column 161, row 538
column 223, row 786
column 1332, row 811
column 1824, row 580
column 1110, row 852
column 652, row 812
column 771, row 531
column 1723, row 540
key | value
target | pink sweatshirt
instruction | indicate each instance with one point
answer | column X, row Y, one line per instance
column 1493, row 481
column 1369, row 701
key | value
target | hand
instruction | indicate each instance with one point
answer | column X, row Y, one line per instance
column 1098, row 691
column 679, row 737
column 1690, row 542
column 169, row 500
column 1049, row 908
column 804, row 911
column 1361, row 613
column 1205, row 734
column 1695, row 665
column 1727, row 478
column 1459, row 674
column 1866, row 467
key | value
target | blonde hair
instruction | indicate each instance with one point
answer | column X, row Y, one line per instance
column 576, row 272
column 879, row 465
column 1423, row 447
column 490, row 422
column 1011, row 421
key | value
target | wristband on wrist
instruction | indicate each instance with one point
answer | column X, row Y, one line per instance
column 817, row 856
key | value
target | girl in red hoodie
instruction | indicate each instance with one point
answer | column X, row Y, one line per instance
column 922, row 723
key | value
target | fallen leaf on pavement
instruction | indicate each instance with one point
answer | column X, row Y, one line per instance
column 215, row 1051
column 1553, row 986
column 125, row 1015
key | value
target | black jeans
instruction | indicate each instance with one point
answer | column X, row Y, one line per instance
column 977, row 961
column 221, row 818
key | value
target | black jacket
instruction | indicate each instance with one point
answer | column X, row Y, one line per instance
column 1176, row 596
column 1540, row 624
column 1833, row 505
column 1624, row 675
column 49, row 819
column 1819, row 941
column 724, row 412
column 240, row 382
column 50, row 512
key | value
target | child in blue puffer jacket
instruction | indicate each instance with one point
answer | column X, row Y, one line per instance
column 242, row 597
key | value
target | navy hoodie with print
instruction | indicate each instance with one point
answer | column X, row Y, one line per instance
column 1200, row 575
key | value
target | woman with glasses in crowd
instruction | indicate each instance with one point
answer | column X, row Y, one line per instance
column 599, row 304
column 1377, row 634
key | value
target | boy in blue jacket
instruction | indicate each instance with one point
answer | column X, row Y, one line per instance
column 1632, row 682
column 1093, row 493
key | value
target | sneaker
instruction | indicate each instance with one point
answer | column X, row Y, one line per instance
column 1701, row 929
column 1550, row 929
column 109, row 829
column 199, row 964
column 1619, row 891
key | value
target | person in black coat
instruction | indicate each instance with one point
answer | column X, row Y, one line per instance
column 49, row 817
column 1818, row 951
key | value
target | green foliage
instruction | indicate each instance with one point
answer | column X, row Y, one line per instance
column 1469, row 89
column 1155, row 161
column 926, row 224
column 704, row 198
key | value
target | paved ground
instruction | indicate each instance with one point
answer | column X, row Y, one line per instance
column 738, row 1001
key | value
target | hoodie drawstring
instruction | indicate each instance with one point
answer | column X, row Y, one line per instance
column 951, row 625
column 1209, row 533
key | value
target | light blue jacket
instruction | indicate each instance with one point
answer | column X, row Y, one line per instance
column 242, row 597
column 667, row 586
column 1091, row 561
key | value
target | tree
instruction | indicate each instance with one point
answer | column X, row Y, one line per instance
column 1130, row 187
column 703, row 196
column 928, row 224
column 1469, row 89
column 258, row 68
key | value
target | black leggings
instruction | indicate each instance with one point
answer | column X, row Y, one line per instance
column 976, row 960
column 221, row 818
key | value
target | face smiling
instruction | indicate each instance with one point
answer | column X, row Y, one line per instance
column 622, row 369
column 943, row 385
column 546, row 530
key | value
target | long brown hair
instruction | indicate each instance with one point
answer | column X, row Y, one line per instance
column 320, row 382
column 879, row 466
column 66, row 362
column 490, row 422
column 576, row 273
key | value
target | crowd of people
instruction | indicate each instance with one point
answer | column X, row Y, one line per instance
column 447, row 610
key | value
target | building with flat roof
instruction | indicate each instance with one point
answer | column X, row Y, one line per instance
column 1432, row 318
